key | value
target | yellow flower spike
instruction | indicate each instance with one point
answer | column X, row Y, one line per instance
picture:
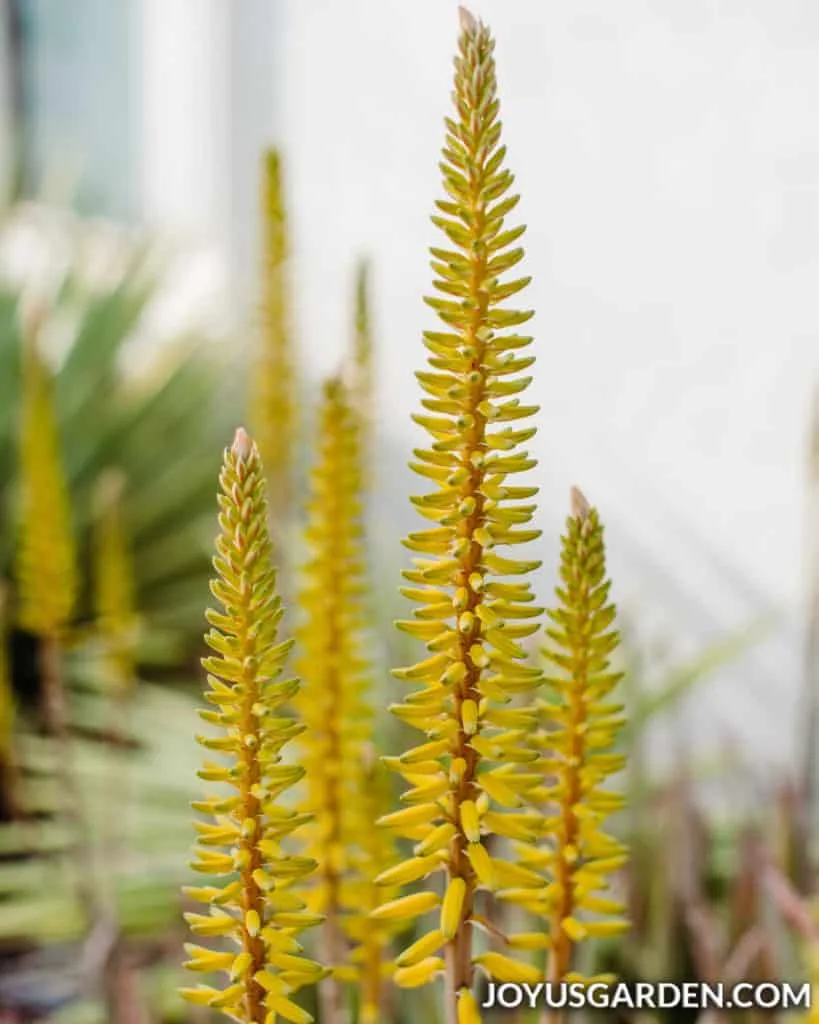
column 246, row 666
column 363, row 384
column 473, row 375
column 47, row 579
column 579, row 723
column 331, row 663
column 46, row 555
column 273, row 402
column 114, row 591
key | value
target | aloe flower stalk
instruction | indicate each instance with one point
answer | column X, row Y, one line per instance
column 47, row 583
column 471, row 622
column 46, row 556
column 583, row 724
column 254, row 906
column 364, row 385
column 274, row 382
column 335, row 672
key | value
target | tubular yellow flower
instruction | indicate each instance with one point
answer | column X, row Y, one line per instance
column 254, row 906
column 331, row 662
column 46, row 556
column 274, row 384
column 582, row 725
column 470, row 621
column 114, row 590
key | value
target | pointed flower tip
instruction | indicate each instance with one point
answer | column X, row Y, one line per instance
column 580, row 506
column 467, row 20
column 242, row 444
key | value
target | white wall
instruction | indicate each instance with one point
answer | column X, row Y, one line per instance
column 668, row 159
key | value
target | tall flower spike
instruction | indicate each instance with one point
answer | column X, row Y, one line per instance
column 332, row 703
column 470, row 621
column 363, row 391
column 274, row 383
column 583, row 724
column 114, row 590
column 46, row 556
column 254, row 906
column 47, row 585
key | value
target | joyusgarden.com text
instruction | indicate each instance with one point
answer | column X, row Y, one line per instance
column 650, row 996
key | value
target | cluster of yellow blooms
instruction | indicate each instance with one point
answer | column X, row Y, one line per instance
column 506, row 793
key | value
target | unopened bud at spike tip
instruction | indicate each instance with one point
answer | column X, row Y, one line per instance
column 580, row 506
column 467, row 20
column 242, row 443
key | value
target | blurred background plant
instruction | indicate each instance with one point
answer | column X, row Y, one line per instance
column 149, row 380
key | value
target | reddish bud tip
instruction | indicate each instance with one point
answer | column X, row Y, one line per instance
column 467, row 20
column 242, row 443
column 580, row 507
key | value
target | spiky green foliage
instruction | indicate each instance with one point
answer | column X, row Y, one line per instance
column 470, row 620
column 254, row 906
column 582, row 725
column 46, row 557
column 274, row 383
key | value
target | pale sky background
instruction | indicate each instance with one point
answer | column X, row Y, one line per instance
column 667, row 154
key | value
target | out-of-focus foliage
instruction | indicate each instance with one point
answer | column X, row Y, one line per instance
column 159, row 427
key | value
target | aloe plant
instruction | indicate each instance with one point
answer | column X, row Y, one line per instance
column 583, row 724
column 254, row 906
column 470, row 621
column 274, row 405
